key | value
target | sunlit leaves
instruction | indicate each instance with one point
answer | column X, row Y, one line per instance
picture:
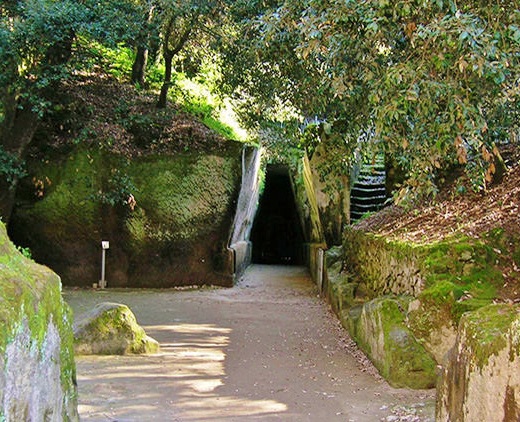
column 438, row 83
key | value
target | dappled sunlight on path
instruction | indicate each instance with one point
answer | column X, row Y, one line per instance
column 190, row 367
column 266, row 350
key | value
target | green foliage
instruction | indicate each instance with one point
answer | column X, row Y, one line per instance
column 26, row 252
column 40, row 46
column 11, row 168
column 196, row 97
column 432, row 84
column 116, row 60
column 436, row 85
column 35, row 43
column 115, row 22
column 119, row 190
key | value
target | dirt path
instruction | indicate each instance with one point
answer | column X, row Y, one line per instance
column 266, row 350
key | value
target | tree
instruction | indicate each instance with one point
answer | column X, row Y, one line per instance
column 186, row 22
column 437, row 84
column 36, row 44
column 142, row 47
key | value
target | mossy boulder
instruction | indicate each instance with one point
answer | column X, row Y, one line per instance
column 482, row 378
column 381, row 332
column 175, row 233
column 433, row 324
column 111, row 329
column 37, row 369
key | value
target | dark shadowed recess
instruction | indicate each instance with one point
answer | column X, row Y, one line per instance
column 277, row 234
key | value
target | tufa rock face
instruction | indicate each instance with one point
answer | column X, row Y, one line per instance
column 383, row 267
column 482, row 378
column 37, row 369
column 380, row 330
column 111, row 329
column 333, row 199
column 175, row 233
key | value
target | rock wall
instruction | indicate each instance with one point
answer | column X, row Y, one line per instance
column 247, row 205
column 37, row 369
column 175, row 233
column 332, row 199
column 383, row 267
column 379, row 328
column 431, row 285
column 308, row 203
column 482, row 379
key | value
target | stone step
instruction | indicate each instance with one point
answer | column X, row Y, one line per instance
column 370, row 180
column 368, row 193
column 376, row 199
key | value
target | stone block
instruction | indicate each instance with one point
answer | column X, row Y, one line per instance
column 37, row 369
column 381, row 332
column 481, row 381
column 111, row 329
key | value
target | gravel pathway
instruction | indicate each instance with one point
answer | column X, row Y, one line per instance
column 268, row 349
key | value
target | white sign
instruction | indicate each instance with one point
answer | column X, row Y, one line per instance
column 105, row 244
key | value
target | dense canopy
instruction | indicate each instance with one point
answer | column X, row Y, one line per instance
column 433, row 84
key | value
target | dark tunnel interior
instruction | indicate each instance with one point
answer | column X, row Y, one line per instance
column 277, row 234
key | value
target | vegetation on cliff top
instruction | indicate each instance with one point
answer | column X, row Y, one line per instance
column 432, row 84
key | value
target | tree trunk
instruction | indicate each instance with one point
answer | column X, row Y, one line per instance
column 139, row 66
column 163, row 96
column 170, row 52
column 7, row 195
column 141, row 57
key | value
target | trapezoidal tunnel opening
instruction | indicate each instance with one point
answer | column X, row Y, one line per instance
column 277, row 234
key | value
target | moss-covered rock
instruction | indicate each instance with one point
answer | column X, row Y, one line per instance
column 381, row 332
column 175, row 233
column 37, row 369
column 482, row 378
column 455, row 266
column 383, row 267
column 338, row 284
column 111, row 329
column 434, row 326
column 448, row 278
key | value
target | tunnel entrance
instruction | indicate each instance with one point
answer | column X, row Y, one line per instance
column 277, row 234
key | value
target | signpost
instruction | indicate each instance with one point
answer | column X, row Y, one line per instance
column 104, row 246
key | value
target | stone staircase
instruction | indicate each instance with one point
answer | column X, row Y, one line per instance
column 368, row 193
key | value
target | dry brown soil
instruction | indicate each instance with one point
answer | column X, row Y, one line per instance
column 268, row 349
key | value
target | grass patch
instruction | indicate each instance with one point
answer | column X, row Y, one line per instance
column 216, row 113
